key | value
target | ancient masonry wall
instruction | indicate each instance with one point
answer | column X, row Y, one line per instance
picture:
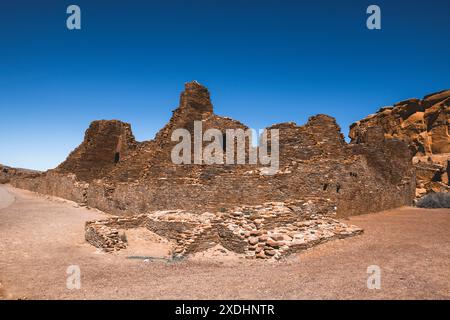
column 55, row 184
column 268, row 231
column 114, row 173
column 356, row 186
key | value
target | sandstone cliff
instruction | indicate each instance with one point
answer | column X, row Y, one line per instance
column 8, row 173
column 425, row 125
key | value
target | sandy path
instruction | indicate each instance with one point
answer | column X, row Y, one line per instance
column 6, row 198
column 39, row 239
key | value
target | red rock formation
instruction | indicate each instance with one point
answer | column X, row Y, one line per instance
column 425, row 126
column 7, row 173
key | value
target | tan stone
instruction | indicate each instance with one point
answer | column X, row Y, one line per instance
column 272, row 243
column 270, row 252
column 261, row 255
column 253, row 240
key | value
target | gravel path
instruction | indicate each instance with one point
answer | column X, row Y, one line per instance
column 41, row 237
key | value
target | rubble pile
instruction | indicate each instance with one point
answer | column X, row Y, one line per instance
column 432, row 174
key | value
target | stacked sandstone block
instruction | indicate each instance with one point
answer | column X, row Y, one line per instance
column 268, row 231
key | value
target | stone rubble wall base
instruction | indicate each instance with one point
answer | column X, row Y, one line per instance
column 268, row 231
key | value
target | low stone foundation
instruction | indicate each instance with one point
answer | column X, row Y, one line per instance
column 268, row 231
column 102, row 236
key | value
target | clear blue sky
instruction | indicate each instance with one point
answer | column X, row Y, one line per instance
column 263, row 61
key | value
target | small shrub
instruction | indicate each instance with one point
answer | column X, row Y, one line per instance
column 222, row 210
column 123, row 237
column 434, row 200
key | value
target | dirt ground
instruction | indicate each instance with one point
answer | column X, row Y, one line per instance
column 40, row 237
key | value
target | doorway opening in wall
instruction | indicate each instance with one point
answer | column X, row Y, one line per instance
column 224, row 142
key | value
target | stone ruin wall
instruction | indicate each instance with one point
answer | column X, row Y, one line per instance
column 269, row 231
column 372, row 174
column 105, row 143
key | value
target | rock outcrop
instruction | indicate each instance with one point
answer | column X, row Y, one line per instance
column 425, row 125
column 8, row 173
column 432, row 173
